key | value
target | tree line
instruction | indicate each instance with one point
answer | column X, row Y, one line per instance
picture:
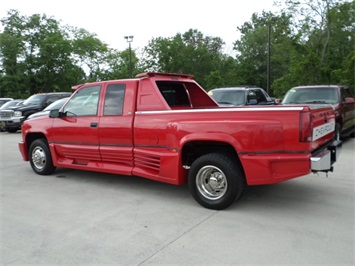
column 310, row 42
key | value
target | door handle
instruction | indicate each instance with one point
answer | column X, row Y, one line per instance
column 93, row 124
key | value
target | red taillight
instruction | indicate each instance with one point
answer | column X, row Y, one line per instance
column 306, row 126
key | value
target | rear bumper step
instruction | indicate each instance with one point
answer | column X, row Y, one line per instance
column 323, row 160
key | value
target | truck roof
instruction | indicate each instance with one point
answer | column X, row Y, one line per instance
column 146, row 75
column 321, row 86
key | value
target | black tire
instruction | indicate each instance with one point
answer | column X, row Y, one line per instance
column 215, row 180
column 40, row 157
column 337, row 132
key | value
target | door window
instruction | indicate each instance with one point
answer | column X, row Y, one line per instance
column 348, row 92
column 114, row 99
column 84, row 102
column 260, row 97
column 343, row 95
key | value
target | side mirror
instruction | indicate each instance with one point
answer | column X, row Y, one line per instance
column 349, row 100
column 54, row 113
column 277, row 101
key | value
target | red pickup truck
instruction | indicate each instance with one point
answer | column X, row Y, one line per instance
column 165, row 127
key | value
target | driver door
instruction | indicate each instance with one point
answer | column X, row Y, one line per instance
column 75, row 136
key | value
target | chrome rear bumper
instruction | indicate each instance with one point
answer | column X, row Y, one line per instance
column 323, row 160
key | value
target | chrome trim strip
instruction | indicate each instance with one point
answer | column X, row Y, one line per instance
column 236, row 109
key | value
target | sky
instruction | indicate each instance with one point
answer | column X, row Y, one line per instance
column 146, row 19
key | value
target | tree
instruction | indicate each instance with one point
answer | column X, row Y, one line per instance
column 12, row 45
column 326, row 30
column 89, row 53
column 252, row 49
column 191, row 52
column 117, row 65
column 311, row 42
column 318, row 47
column 40, row 55
column 341, row 53
column 47, row 54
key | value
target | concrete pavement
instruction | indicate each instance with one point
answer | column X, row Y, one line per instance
column 85, row 218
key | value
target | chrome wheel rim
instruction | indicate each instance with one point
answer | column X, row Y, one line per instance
column 211, row 182
column 38, row 158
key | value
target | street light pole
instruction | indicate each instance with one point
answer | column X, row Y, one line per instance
column 268, row 53
column 129, row 40
column 268, row 57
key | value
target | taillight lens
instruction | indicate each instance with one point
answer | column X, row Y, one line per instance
column 306, row 126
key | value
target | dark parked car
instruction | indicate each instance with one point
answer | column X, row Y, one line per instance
column 56, row 105
column 341, row 97
column 241, row 95
column 11, row 120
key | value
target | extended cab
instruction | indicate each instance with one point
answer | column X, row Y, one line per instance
column 341, row 97
column 12, row 118
column 165, row 127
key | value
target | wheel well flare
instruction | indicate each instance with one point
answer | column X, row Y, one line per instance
column 195, row 149
column 32, row 137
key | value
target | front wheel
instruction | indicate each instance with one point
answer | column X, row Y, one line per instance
column 40, row 157
column 215, row 180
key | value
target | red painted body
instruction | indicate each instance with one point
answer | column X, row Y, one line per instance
column 149, row 138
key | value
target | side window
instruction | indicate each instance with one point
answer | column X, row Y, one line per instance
column 84, row 102
column 343, row 95
column 348, row 92
column 260, row 97
column 114, row 99
column 175, row 94
column 251, row 97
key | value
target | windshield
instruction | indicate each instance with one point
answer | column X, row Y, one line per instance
column 35, row 100
column 311, row 95
column 234, row 97
column 2, row 102
column 9, row 104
